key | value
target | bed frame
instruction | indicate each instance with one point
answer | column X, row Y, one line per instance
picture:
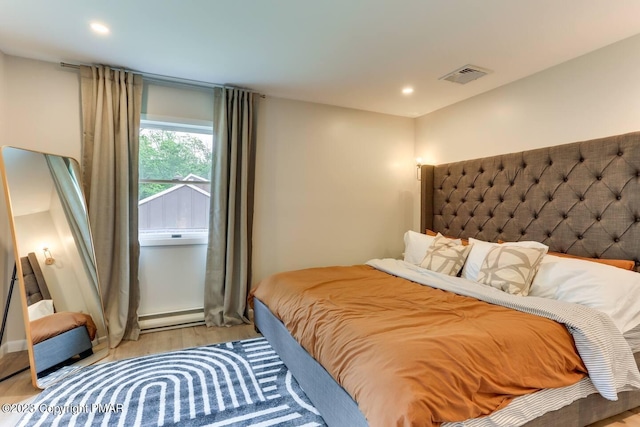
column 581, row 198
column 60, row 348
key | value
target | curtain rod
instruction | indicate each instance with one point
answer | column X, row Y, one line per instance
column 167, row 79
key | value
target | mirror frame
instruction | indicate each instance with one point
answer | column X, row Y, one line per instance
column 19, row 273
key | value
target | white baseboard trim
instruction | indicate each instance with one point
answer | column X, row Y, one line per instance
column 13, row 346
column 171, row 320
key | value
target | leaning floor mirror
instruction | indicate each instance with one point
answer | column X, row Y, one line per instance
column 55, row 264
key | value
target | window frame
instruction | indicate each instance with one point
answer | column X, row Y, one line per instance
column 174, row 125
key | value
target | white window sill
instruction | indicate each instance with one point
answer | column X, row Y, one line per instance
column 187, row 239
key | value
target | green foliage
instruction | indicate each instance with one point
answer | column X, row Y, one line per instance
column 147, row 189
column 171, row 155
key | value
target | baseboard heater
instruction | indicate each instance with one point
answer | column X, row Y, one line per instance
column 171, row 320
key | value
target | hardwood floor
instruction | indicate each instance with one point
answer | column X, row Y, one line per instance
column 13, row 362
column 18, row 388
column 176, row 339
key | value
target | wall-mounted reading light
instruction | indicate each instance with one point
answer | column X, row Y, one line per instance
column 48, row 258
column 418, row 166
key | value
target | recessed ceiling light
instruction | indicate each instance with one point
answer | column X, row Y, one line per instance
column 407, row 90
column 99, row 28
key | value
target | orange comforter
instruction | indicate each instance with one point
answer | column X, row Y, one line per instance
column 411, row 355
column 57, row 323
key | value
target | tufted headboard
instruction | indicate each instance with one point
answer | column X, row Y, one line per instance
column 581, row 198
column 34, row 282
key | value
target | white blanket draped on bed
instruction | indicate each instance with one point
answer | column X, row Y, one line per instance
column 601, row 346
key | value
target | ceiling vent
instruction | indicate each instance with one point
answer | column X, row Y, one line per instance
column 465, row 74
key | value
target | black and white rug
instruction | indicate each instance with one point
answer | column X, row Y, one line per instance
column 241, row 383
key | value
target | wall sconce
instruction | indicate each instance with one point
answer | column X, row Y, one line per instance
column 418, row 166
column 48, row 258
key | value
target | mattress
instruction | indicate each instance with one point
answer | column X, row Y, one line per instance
column 606, row 382
column 57, row 323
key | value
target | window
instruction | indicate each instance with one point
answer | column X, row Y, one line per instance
column 174, row 184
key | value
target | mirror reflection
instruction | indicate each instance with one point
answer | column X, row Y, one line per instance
column 64, row 321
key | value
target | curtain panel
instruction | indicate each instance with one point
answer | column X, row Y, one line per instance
column 111, row 106
column 228, row 270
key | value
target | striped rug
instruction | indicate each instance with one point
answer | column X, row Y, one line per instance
column 241, row 383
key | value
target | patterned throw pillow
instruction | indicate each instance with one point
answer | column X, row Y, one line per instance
column 511, row 269
column 445, row 256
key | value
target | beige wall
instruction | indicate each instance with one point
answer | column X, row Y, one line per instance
column 4, row 225
column 158, row 273
column 592, row 96
column 334, row 186
column 44, row 112
column 15, row 328
column 166, row 102
column 39, row 110
column 2, row 97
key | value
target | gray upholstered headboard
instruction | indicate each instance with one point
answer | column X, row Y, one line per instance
column 35, row 285
column 581, row 198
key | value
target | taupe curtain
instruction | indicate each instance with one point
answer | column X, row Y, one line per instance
column 111, row 102
column 228, row 273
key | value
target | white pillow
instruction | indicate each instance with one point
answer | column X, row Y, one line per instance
column 480, row 250
column 416, row 245
column 612, row 290
column 40, row 309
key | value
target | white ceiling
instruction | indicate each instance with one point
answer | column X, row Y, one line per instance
column 351, row 53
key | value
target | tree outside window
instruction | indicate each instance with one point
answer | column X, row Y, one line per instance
column 174, row 187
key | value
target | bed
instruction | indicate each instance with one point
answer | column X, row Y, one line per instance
column 580, row 199
column 56, row 337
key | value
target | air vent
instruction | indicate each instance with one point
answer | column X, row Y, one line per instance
column 464, row 75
